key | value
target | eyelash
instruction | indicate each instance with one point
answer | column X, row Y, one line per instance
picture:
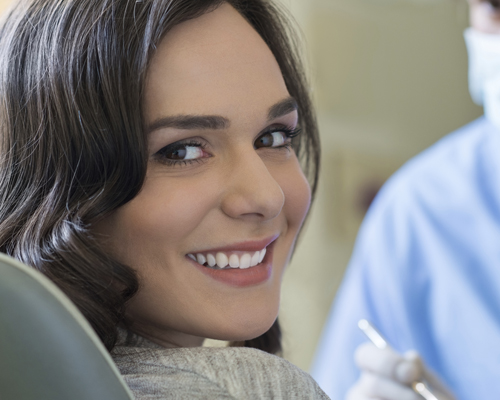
column 289, row 133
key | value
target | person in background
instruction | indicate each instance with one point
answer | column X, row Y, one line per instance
column 426, row 266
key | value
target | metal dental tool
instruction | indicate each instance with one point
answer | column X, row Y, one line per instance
column 378, row 340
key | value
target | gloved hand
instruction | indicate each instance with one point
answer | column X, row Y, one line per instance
column 385, row 374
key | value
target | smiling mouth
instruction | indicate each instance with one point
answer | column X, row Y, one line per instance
column 239, row 265
column 229, row 259
column 238, row 256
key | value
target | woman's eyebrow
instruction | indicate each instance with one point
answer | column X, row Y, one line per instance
column 215, row 122
column 282, row 108
column 190, row 122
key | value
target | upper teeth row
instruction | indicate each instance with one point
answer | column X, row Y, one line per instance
column 222, row 260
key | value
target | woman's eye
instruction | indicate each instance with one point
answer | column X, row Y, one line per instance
column 181, row 152
column 271, row 139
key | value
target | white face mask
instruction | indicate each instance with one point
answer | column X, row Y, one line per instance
column 484, row 71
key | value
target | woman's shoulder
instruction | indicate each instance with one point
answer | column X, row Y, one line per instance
column 206, row 372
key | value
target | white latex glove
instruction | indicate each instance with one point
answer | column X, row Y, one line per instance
column 388, row 375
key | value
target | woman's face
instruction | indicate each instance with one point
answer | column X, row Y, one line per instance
column 222, row 185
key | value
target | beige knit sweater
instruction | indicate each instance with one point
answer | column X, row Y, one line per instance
column 155, row 372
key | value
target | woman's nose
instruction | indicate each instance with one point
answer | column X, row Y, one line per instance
column 251, row 190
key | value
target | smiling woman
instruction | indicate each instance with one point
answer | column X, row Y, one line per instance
column 150, row 167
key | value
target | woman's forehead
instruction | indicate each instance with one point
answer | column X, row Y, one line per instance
column 214, row 64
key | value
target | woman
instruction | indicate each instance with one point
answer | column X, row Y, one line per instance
column 150, row 168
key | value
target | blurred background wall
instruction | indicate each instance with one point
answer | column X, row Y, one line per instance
column 389, row 78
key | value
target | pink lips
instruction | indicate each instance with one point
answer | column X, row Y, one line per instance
column 243, row 246
column 242, row 277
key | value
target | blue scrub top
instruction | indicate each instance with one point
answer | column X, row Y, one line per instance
column 426, row 269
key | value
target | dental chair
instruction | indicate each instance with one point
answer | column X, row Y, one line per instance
column 48, row 351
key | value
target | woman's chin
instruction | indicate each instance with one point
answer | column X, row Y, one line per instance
column 247, row 331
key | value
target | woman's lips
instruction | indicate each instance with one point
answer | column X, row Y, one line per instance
column 237, row 267
column 253, row 245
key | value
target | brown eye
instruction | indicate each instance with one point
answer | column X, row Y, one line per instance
column 181, row 152
column 265, row 140
column 177, row 154
column 270, row 139
column 495, row 4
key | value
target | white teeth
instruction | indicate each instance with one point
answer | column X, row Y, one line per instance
column 201, row 259
column 234, row 261
column 255, row 259
column 245, row 261
column 262, row 254
column 221, row 259
column 211, row 260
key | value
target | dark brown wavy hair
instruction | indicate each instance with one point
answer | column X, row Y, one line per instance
column 72, row 140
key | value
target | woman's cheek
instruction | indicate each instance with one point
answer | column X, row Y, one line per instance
column 181, row 205
column 163, row 214
column 297, row 195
